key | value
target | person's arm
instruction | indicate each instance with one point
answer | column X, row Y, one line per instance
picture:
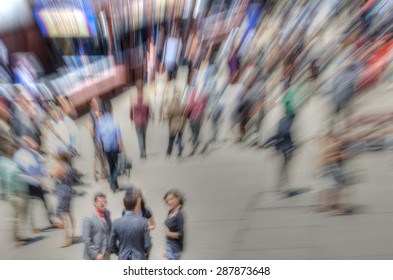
column 150, row 220
column 91, row 248
column 146, row 239
column 180, row 232
column 105, row 237
column 90, row 127
column 152, row 223
column 113, row 241
column 120, row 140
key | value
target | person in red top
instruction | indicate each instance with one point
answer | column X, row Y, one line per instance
column 140, row 115
column 195, row 110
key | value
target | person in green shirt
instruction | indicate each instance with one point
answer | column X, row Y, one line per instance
column 14, row 189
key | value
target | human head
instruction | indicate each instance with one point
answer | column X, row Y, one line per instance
column 7, row 145
column 108, row 107
column 100, row 202
column 64, row 157
column 174, row 198
column 132, row 199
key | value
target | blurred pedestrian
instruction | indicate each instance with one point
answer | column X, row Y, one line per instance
column 140, row 114
column 177, row 119
column 96, row 231
column 160, row 90
column 174, row 225
column 195, row 112
column 215, row 109
column 31, row 163
column 108, row 133
column 334, row 180
column 24, row 120
column 283, row 143
column 14, row 188
column 171, row 55
column 95, row 113
column 130, row 236
column 63, row 176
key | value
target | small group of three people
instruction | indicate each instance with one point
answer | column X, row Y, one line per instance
column 129, row 236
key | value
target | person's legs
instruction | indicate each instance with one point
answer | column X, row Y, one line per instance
column 270, row 142
column 37, row 192
column 144, row 141
column 179, row 143
column 115, row 156
column 283, row 178
column 111, row 166
column 258, row 122
column 141, row 141
column 103, row 162
column 171, row 255
column 67, row 237
column 170, row 144
column 112, row 161
column 215, row 125
column 195, row 126
column 19, row 203
column 73, row 223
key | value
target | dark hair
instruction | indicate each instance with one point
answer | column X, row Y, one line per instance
column 130, row 199
column 100, row 194
column 7, row 145
column 177, row 194
column 107, row 107
column 64, row 157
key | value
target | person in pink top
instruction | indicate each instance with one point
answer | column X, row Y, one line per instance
column 140, row 114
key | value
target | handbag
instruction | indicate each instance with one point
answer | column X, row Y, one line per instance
column 124, row 165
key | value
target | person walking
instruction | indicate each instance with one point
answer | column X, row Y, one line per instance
column 108, row 133
column 64, row 177
column 176, row 118
column 96, row 231
column 283, row 143
column 140, row 115
column 95, row 113
column 31, row 163
column 195, row 112
column 14, row 188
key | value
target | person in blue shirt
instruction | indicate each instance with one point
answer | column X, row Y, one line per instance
column 108, row 133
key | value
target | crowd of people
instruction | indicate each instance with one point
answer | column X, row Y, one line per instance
column 285, row 60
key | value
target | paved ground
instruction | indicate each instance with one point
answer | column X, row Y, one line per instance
column 232, row 211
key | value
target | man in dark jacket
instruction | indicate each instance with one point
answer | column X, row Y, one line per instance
column 130, row 236
column 283, row 143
